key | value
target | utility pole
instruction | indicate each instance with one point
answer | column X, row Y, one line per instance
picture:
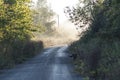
column 58, row 20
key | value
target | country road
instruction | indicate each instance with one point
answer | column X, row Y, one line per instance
column 52, row 64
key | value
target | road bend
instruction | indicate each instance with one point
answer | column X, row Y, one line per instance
column 52, row 64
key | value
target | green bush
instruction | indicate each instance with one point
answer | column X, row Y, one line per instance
column 18, row 52
column 32, row 48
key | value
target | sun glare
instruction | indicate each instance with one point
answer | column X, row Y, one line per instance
column 59, row 5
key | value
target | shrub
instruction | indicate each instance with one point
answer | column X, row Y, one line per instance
column 18, row 52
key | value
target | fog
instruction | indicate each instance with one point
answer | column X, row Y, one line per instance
column 66, row 33
column 67, row 29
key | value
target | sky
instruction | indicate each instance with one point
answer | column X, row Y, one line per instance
column 59, row 5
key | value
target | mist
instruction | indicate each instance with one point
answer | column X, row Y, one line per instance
column 65, row 34
column 67, row 30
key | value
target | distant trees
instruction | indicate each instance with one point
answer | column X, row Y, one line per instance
column 44, row 15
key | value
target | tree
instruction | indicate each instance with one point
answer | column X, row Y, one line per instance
column 44, row 15
column 15, row 29
column 98, row 48
column 15, row 19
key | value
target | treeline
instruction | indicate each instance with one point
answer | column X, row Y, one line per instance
column 98, row 50
column 16, row 27
column 43, row 17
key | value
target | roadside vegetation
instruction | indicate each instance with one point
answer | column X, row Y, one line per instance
column 17, row 28
column 98, row 49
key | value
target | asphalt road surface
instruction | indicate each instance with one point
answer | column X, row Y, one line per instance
column 52, row 64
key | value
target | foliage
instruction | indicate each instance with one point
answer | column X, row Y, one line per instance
column 15, row 31
column 44, row 15
column 97, row 50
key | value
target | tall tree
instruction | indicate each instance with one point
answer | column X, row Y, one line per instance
column 44, row 15
column 15, row 25
column 98, row 49
column 15, row 19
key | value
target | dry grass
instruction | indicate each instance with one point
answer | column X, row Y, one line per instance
column 54, row 41
column 56, row 38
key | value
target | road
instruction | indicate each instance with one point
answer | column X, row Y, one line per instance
column 52, row 64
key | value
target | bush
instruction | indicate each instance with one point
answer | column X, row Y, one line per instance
column 32, row 48
column 18, row 52
column 98, row 50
